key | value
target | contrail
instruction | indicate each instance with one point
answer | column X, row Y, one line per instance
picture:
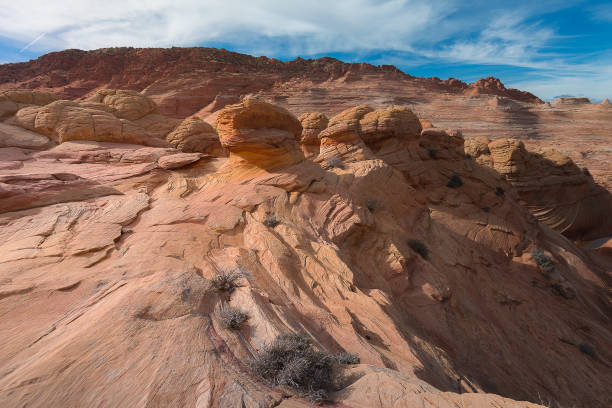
column 31, row 43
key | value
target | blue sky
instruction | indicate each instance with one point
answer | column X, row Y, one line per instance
column 548, row 47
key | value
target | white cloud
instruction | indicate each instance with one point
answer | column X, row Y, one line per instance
column 411, row 31
column 304, row 27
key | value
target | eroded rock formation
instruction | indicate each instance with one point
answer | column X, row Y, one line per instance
column 551, row 186
column 202, row 81
column 409, row 253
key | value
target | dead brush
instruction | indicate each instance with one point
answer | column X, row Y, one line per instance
column 291, row 360
column 226, row 281
column 232, row 318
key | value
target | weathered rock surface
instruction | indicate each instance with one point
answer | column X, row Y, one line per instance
column 178, row 160
column 108, row 116
column 551, row 186
column 409, row 253
column 312, row 124
column 571, row 101
column 13, row 136
column 260, row 133
column 13, row 100
column 195, row 135
column 125, row 104
column 202, row 81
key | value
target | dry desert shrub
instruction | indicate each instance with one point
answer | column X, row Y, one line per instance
column 291, row 360
column 226, row 281
column 232, row 318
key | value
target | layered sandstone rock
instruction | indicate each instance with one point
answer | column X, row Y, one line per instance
column 189, row 81
column 66, row 120
column 260, row 133
column 195, row 135
column 394, row 121
column 130, row 105
column 448, row 292
column 571, row 101
column 13, row 100
column 341, row 140
column 312, row 124
column 551, row 186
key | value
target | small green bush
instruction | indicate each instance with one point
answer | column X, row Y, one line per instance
column 432, row 154
column 499, row 191
column 292, row 360
column 454, row 182
column 226, row 281
column 232, row 318
column 419, row 247
column 271, row 221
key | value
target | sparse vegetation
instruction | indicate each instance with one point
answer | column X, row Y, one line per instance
column 500, row 191
column 419, row 247
column 292, row 360
column 372, row 204
column 232, row 318
column 226, row 281
column 335, row 162
column 271, row 221
column 432, row 154
column 345, row 358
column 546, row 264
column 454, row 182
column 468, row 156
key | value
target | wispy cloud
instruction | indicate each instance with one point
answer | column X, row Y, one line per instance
column 402, row 32
column 31, row 43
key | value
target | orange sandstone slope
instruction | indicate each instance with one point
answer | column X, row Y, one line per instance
column 365, row 232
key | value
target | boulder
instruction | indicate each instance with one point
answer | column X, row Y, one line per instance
column 260, row 133
column 342, row 138
column 12, row 100
column 312, row 124
column 13, row 136
column 175, row 161
column 125, row 104
column 67, row 120
column 195, row 135
column 394, row 121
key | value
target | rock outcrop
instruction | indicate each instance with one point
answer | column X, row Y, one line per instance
column 201, row 81
column 13, row 100
column 63, row 121
column 195, row 135
column 551, row 186
column 572, row 101
column 391, row 243
column 260, row 133
column 130, row 105
column 312, row 124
